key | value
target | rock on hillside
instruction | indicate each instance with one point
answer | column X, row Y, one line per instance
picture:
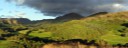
column 8, row 21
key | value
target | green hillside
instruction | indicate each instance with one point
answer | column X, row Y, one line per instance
column 91, row 28
column 104, row 29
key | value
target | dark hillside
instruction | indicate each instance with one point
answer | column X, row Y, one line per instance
column 70, row 16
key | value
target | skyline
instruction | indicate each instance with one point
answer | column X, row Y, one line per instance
column 50, row 9
column 83, row 7
column 12, row 10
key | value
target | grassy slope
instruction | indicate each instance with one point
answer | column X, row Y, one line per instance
column 41, row 34
column 5, row 44
column 91, row 28
column 114, row 21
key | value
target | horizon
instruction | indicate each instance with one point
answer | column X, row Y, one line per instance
column 43, row 9
column 64, row 24
column 12, row 10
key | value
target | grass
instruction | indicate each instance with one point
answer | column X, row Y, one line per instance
column 4, row 44
column 40, row 34
column 113, row 39
column 92, row 28
column 24, row 31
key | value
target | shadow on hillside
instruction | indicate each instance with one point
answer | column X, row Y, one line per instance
column 125, row 24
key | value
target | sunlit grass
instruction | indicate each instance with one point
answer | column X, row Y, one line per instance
column 40, row 34
column 111, row 38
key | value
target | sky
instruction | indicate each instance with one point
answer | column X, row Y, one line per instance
column 44, row 9
column 12, row 10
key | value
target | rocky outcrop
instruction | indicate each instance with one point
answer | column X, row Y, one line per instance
column 8, row 21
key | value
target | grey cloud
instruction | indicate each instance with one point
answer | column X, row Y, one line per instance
column 84, row 7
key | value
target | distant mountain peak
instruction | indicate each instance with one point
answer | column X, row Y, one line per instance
column 73, row 14
column 99, row 13
column 70, row 16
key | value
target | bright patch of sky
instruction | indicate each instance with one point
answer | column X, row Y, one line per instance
column 11, row 10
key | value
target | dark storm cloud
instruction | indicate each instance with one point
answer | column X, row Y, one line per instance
column 84, row 7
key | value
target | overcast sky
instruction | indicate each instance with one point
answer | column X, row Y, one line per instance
column 42, row 9
column 11, row 10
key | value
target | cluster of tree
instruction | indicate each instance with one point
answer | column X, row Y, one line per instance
column 11, row 38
